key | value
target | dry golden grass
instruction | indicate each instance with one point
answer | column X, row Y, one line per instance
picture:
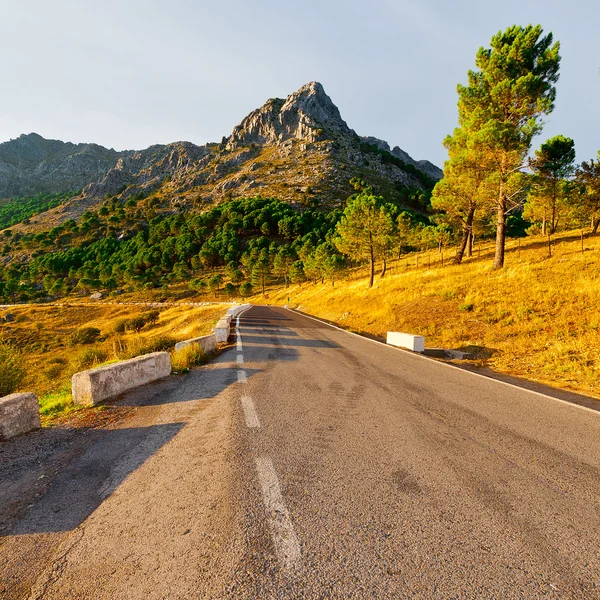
column 43, row 335
column 538, row 318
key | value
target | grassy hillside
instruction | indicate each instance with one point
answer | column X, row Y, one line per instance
column 53, row 351
column 538, row 318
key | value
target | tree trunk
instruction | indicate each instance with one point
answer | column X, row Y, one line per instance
column 466, row 236
column 384, row 268
column 371, row 267
column 595, row 223
column 500, row 231
column 544, row 226
column 470, row 244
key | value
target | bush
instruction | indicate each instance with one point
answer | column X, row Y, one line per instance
column 151, row 316
column 91, row 357
column 12, row 368
column 139, row 346
column 54, row 371
column 120, row 326
column 188, row 357
column 245, row 290
column 86, row 335
column 135, row 323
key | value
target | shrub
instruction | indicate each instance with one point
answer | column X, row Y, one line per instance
column 136, row 323
column 188, row 357
column 139, row 346
column 12, row 368
column 86, row 335
column 54, row 371
column 245, row 290
column 466, row 306
column 120, row 326
column 151, row 316
column 90, row 358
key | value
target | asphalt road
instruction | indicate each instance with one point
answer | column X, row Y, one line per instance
column 310, row 463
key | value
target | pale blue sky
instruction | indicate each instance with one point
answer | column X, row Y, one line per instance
column 130, row 74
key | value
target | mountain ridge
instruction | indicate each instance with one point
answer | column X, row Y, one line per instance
column 298, row 148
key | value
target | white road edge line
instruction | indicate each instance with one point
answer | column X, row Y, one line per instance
column 241, row 376
column 250, row 414
column 417, row 355
column 280, row 523
column 240, row 359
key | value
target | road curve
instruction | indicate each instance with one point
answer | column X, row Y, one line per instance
column 310, row 463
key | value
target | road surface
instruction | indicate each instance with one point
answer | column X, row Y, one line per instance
column 310, row 463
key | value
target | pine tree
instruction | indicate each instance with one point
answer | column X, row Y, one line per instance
column 502, row 106
column 588, row 178
column 552, row 165
column 459, row 194
column 365, row 229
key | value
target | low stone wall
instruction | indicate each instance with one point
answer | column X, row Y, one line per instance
column 416, row 343
column 208, row 343
column 19, row 413
column 96, row 385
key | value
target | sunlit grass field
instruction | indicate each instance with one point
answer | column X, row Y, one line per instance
column 538, row 318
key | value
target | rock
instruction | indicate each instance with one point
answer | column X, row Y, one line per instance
column 9, row 318
column 19, row 413
column 96, row 296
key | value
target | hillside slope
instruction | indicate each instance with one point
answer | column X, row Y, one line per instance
column 520, row 320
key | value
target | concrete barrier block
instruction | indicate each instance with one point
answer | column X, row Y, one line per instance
column 222, row 330
column 96, row 385
column 416, row 343
column 19, row 413
column 234, row 311
column 208, row 343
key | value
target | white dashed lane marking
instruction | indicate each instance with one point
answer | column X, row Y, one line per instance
column 250, row 413
column 282, row 530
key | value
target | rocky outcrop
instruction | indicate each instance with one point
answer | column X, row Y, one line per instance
column 308, row 115
column 147, row 169
column 423, row 165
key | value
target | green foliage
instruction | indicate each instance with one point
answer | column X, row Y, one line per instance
column 587, row 178
column 246, row 289
column 550, row 192
column 20, row 209
column 165, row 249
column 91, row 357
column 85, row 335
column 12, row 368
column 365, row 231
column 501, row 110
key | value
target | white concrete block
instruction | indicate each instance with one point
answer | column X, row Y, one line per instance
column 19, row 413
column 234, row 311
column 208, row 343
column 222, row 330
column 416, row 343
column 96, row 385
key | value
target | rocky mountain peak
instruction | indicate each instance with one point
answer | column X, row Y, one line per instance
column 308, row 114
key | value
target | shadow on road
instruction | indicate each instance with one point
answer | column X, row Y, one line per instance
column 85, row 482
column 51, row 480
